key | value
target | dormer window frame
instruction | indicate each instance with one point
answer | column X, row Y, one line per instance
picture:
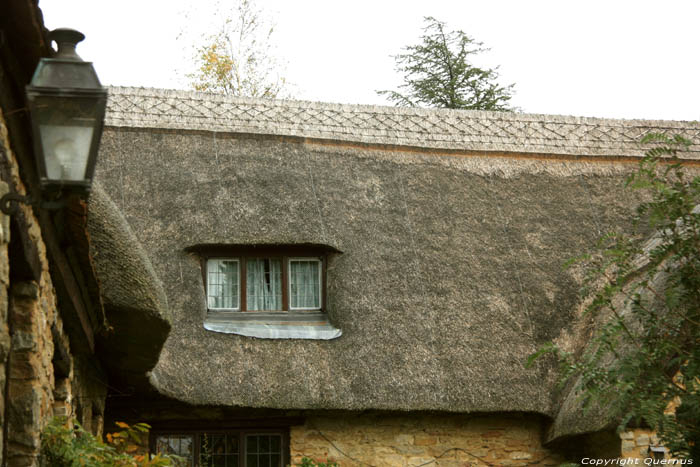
column 208, row 274
column 321, row 282
column 286, row 254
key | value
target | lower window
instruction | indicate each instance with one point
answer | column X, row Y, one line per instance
column 251, row 448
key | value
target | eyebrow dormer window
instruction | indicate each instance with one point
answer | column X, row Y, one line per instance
column 265, row 283
column 267, row 291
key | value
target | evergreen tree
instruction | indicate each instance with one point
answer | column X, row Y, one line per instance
column 438, row 73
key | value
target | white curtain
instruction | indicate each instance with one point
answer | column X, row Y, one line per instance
column 264, row 284
column 305, row 284
column 222, row 283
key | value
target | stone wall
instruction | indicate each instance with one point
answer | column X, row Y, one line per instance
column 4, row 309
column 405, row 440
column 638, row 444
column 39, row 375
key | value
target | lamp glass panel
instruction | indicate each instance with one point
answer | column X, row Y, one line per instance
column 66, row 128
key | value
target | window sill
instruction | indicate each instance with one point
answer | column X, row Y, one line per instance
column 273, row 325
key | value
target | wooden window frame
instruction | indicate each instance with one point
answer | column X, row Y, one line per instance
column 321, row 282
column 240, row 292
column 242, row 432
column 285, row 253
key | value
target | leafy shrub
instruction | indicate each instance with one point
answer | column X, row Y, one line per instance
column 64, row 443
column 643, row 361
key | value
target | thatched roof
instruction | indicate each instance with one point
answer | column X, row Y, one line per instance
column 454, row 227
column 135, row 303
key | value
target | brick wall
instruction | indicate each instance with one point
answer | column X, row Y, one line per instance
column 383, row 440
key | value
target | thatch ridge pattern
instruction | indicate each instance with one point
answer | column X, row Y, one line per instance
column 429, row 128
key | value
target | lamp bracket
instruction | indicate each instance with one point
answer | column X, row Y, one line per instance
column 9, row 203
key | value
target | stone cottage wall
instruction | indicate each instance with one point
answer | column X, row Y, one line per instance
column 32, row 391
column 4, row 309
column 402, row 441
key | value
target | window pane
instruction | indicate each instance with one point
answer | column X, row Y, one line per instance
column 178, row 445
column 305, row 284
column 216, row 444
column 232, row 444
column 275, row 444
column 217, row 449
column 264, row 284
column 222, row 284
column 251, row 444
column 264, row 444
column 264, row 450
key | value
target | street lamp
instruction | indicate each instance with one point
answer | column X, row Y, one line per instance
column 67, row 106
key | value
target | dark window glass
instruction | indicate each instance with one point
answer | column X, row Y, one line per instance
column 218, row 450
column 223, row 449
column 178, row 445
column 266, row 449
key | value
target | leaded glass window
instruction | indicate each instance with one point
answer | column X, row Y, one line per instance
column 180, row 446
column 304, row 284
column 264, row 284
column 224, row 448
column 223, row 284
column 263, row 450
column 219, row 450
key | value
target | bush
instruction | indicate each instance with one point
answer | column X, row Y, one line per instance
column 64, row 443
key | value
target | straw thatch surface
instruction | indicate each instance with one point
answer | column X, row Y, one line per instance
column 134, row 301
column 427, row 128
column 451, row 272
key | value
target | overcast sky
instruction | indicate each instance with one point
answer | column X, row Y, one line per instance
column 614, row 58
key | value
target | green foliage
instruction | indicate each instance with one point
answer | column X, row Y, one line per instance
column 306, row 462
column 643, row 360
column 64, row 443
column 437, row 73
column 238, row 60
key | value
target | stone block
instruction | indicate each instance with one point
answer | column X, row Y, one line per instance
column 409, row 449
column 4, row 266
column 416, row 461
column 642, row 440
column 23, row 341
column 391, row 459
column 4, row 219
column 24, row 366
column 28, row 289
column 627, row 445
column 62, row 389
column 422, row 440
column 4, row 343
column 520, row 455
column 403, row 440
column 450, row 463
column 627, row 435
